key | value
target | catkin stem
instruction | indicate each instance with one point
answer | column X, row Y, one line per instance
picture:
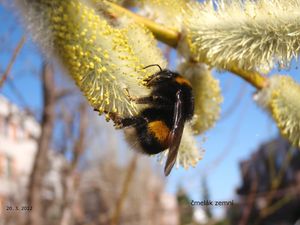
column 252, row 77
column 168, row 36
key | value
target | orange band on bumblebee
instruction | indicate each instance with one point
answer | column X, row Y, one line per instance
column 160, row 131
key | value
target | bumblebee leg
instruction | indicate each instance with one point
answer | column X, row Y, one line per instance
column 131, row 98
column 146, row 99
column 120, row 122
column 129, row 122
column 97, row 110
column 114, row 117
column 152, row 99
column 133, row 121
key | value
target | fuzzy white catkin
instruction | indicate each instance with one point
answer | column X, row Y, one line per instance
column 207, row 95
column 254, row 35
column 96, row 55
column 143, row 42
column 281, row 99
column 165, row 12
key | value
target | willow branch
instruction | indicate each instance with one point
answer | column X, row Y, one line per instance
column 168, row 36
column 171, row 37
column 252, row 77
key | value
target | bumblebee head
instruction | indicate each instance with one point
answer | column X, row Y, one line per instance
column 163, row 75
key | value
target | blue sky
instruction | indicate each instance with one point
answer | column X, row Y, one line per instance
column 25, row 71
column 233, row 138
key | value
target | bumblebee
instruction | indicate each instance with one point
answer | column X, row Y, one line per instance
column 159, row 126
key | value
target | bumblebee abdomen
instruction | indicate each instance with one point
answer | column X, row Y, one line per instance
column 160, row 131
column 154, row 136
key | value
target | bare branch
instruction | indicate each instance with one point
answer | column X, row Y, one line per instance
column 250, row 203
column 120, row 202
column 69, row 183
column 40, row 163
column 64, row 93
column 79, row 145
column 12, row 60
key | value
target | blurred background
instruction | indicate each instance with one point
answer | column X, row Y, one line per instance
column 61, row 163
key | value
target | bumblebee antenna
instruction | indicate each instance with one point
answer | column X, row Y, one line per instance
column 153, row 65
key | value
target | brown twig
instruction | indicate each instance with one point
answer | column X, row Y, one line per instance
column 277, row 193
column 64, row 93
column 69, row 182
column 120, row 202
column 250, row 203
column 284, row 167
column 12, row 60
column 21, row 98
column 79, row 144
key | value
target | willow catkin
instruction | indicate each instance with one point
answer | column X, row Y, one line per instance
column 281, row 99
column 254, row 35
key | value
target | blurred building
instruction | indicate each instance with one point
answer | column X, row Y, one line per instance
column 18, row 134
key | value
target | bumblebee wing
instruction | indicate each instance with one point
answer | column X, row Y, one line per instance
column 175, row 134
